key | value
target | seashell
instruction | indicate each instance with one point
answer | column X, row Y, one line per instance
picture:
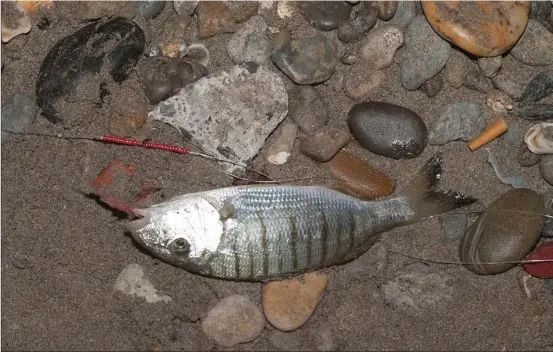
column 24, row 26
column 539, row 138
column 285, row 9
column 30, row 6
column 500, row 102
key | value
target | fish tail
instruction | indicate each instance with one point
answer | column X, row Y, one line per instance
column 424, row 199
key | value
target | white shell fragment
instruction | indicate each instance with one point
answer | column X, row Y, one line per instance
column 24, row 26
column 499, row 102
column 279, row 152
column 229, row 115
column 131, row 281
column 539, row 138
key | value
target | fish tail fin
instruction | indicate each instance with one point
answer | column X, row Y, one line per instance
column 424, row 199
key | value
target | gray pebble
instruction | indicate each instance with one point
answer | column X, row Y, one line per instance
column 282, row 38
column 425, row 54
column 249, row 43
column 405, row 14
column 325, row 15
column 541, row 11
column 535, row 47
column 324, row 143
column 454, row 226
column 18, row 112
column 307, row 60
column 432, row 87
column 380, row 45
column 349, row 57
column 456, row 68
column 149, row 9
column 536, row 111
column 507, row 175
column 489, row 66
column 525, row 157
column 508, row 86
column 307, row 109
column 458, row 121
column 475, row 81
column 546, row 168
column 353, row 29
column 388, row 129
column 539, row 87
column 385, row 9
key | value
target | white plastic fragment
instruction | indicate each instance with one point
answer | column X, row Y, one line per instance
column 539, row 138
column 281, row 149
column 131, row 281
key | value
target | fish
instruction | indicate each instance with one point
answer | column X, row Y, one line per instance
column 271, row 232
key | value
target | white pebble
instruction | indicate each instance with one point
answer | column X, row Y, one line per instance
column 281, row 149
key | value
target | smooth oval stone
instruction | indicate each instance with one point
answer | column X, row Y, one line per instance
column 307, row 60
column 525, row 157
column 325, row 15
column 546, row 168
column 324, row 143
column 543, row 270
column 535, row 47
column 482, row 28
column 499, row 236
column 360, row 178
column 149, row 9
column 385, row 9
column 353, row 29
column 539, row 87
column 387, row 129
column 380, row 45
column 117, row 44
column 18, row 112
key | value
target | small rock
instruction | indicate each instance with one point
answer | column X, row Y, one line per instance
column 18, row 112
column 325, row 15
column 214, row 17
column 406, row 12
column 539, row 87
column 499, row 102
column 507, row 231
column 525, row 157
column 509, row 176
column 546, row 168
column 535, row 47
column 307, row 60
column 458, row 121
column 542, row 270
column 425, row 54
column 324, row 143
column 432, row 87
column 454, row 226
column 360, row 178
column 185, row 7
column 539, row 138
column 536, row 111
column 483, row 29
column 456, row 68
column 218, row 113
column 149, row 9
column 249, row 43
column 307, row 109
column 349, row 57
column 311, row 337
column 360, row 81
column 163, row 76
column 353, row 29
column 509, row 86
column 547, row 230
column 541, row 11
column 385, row 9
column 282, row 38
column 387, row 129
column 288, row 304
column 418, row 288
column 234, row 320
column 489, row 66
column 131, row 281
column 475, row 81
column 380, row 45
column 281, row 149
column 242, row 10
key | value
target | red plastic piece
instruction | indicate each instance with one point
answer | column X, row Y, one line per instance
column 542, row 270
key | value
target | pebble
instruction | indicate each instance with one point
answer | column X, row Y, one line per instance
column 353, row 29
column 499, row 236
column 311, row 337
column 242, row 10
column 454, row 226
column 385, row 9
column 307, row 60
column 149, row 9
column 475, row 81
column 509, row 176
column 539, row 138
column 387, row 129
column 535, row 47
column 489, row 66
column 282, row 38
column 162, row 76
column 546, row 168
column 279, row 152
column 217, row 113
column 214, row 17
column 360, row 81
column 456, row 68
column 406, row 12
column 425, row 54
column 418, row 288
column 509, row 86
column 536, row 111
column 483, row 29
column 233, row 320
column 499, row 102
column 324, row 143
column 325, row 15
column 18, row 112
column 131, row 281
column 541, row 11
column 380, row 45
column 525, row 157
column 288, row 304
column 458, row 121
column 433, row 86
column 360, row 178
column 542, row 270
column 547, row 230
column 307, row 109
column 185, row 7
column 539, row 87
column 60, row 77
column 249, row 43
column 350, row 57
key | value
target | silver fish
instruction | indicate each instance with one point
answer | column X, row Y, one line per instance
column 261, row 233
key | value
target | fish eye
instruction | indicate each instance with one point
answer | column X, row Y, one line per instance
column 180, row 245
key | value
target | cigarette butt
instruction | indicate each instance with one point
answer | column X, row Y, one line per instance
column 493, row 131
